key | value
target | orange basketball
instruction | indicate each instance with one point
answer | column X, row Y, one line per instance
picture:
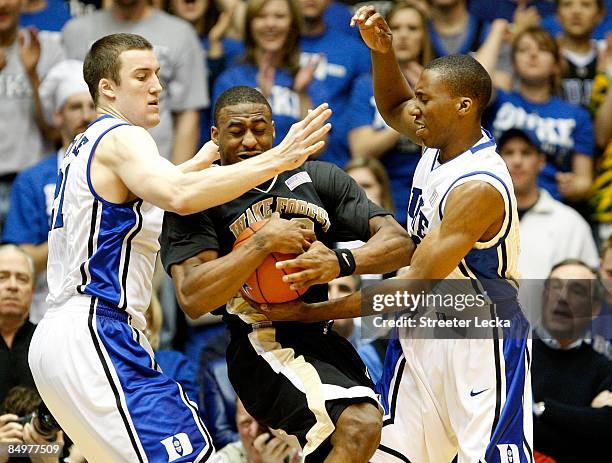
column 266, row 283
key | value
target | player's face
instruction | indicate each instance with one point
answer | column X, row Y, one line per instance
column 16, row 285
column 568, row 302
column 367, row 180
column 524, row 163
column 243, row 131
column 434, row 110
column 189, row 10
column 137, row 95
column 76, row 114
column 9, row 14
column 313, row 9
column 578, row 17
column 532, row 62
column 408, row 34
column 270, row 27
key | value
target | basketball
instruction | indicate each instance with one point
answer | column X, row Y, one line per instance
column 265, row 284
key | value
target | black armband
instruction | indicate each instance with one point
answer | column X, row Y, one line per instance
column 346, row 261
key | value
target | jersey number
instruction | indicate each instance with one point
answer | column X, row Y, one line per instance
column 57, row 217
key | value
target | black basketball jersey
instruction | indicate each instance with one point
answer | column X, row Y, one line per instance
column 577, row 82
column 318, row 191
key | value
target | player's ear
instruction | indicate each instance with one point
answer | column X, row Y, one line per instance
column 214, row 135
column 106, row 87
column 464, row 105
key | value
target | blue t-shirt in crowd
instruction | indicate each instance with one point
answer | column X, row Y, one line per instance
column 51, row 18
column 31, row 202
column 490, row 10
column 343, row 60
column 560, row 128
column 284, row 101
column 337, row 16
column 401, row 161
column 477, row 31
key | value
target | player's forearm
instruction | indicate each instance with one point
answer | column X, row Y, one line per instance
column 186, row 135
column 345, row 307
column 39, row 254
column 366, row 142
column 197, row 191
column 391, row 90
column 389, row 249
column 210, row 285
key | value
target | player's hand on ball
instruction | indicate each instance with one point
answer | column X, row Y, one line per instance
column 285, row 236
column 320, row 266
column 373, row 28
column 304, row 139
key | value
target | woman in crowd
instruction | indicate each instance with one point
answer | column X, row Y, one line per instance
column 369, row 136
column 564, row 131
column 271, row 61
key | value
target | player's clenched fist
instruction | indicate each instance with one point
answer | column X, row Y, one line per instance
column 373, row 28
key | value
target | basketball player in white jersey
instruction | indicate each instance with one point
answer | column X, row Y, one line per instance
column 91, row 363
column 465, row 396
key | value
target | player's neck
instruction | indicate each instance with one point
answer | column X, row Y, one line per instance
column 459, row 145
column 450, row 20
column 103, row 109
column 579, row 45
column 526, row 199
column 131, row 13
column 8, row 38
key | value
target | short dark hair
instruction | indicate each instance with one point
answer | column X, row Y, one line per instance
column 464, row 76
column 238, row 95
column 598, row 290
column 102, row 60
column 20, row 401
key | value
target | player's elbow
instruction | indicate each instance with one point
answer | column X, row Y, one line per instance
column 188, row 305
column 180, row 202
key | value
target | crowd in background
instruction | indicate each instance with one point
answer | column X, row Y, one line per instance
column 551, row 114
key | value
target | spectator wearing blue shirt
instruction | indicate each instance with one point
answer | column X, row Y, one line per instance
column 45, row 15
column 342, row 58
column 271, row 63
column 212, row 25
column 67, row 105
column 564, row 131
column 369, row 136
column 454, row 30
column 491, row 10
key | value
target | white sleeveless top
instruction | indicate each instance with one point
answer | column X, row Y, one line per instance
column 97, row 247
column 492, row 260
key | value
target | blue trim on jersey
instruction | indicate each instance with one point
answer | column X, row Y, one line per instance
column 91, row 155
column 482, row 146
column 393, row 355
column 104, row 263
column 156, row 404
column 509, row 429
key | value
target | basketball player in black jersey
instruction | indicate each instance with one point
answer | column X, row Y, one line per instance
column 300, row 378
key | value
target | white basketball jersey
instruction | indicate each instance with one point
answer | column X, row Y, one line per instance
column 96, row 247
column 495, row 259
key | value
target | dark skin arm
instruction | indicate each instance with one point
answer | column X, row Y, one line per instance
column 389, row 248
column 392, row 93
column 207, row 281
column 436, row 257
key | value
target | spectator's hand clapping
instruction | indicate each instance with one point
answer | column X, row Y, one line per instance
column 217, row 32
column 373, row 28
column 604, row 59
column 306, row 74
column 2, row 58
column 266, row 74
column 29, row 50
column 565, row 183
column 274, row 450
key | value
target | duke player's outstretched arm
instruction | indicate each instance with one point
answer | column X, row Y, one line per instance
column 130, row 153
column 474, row 211
column 207, row 281
column 392, row 93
